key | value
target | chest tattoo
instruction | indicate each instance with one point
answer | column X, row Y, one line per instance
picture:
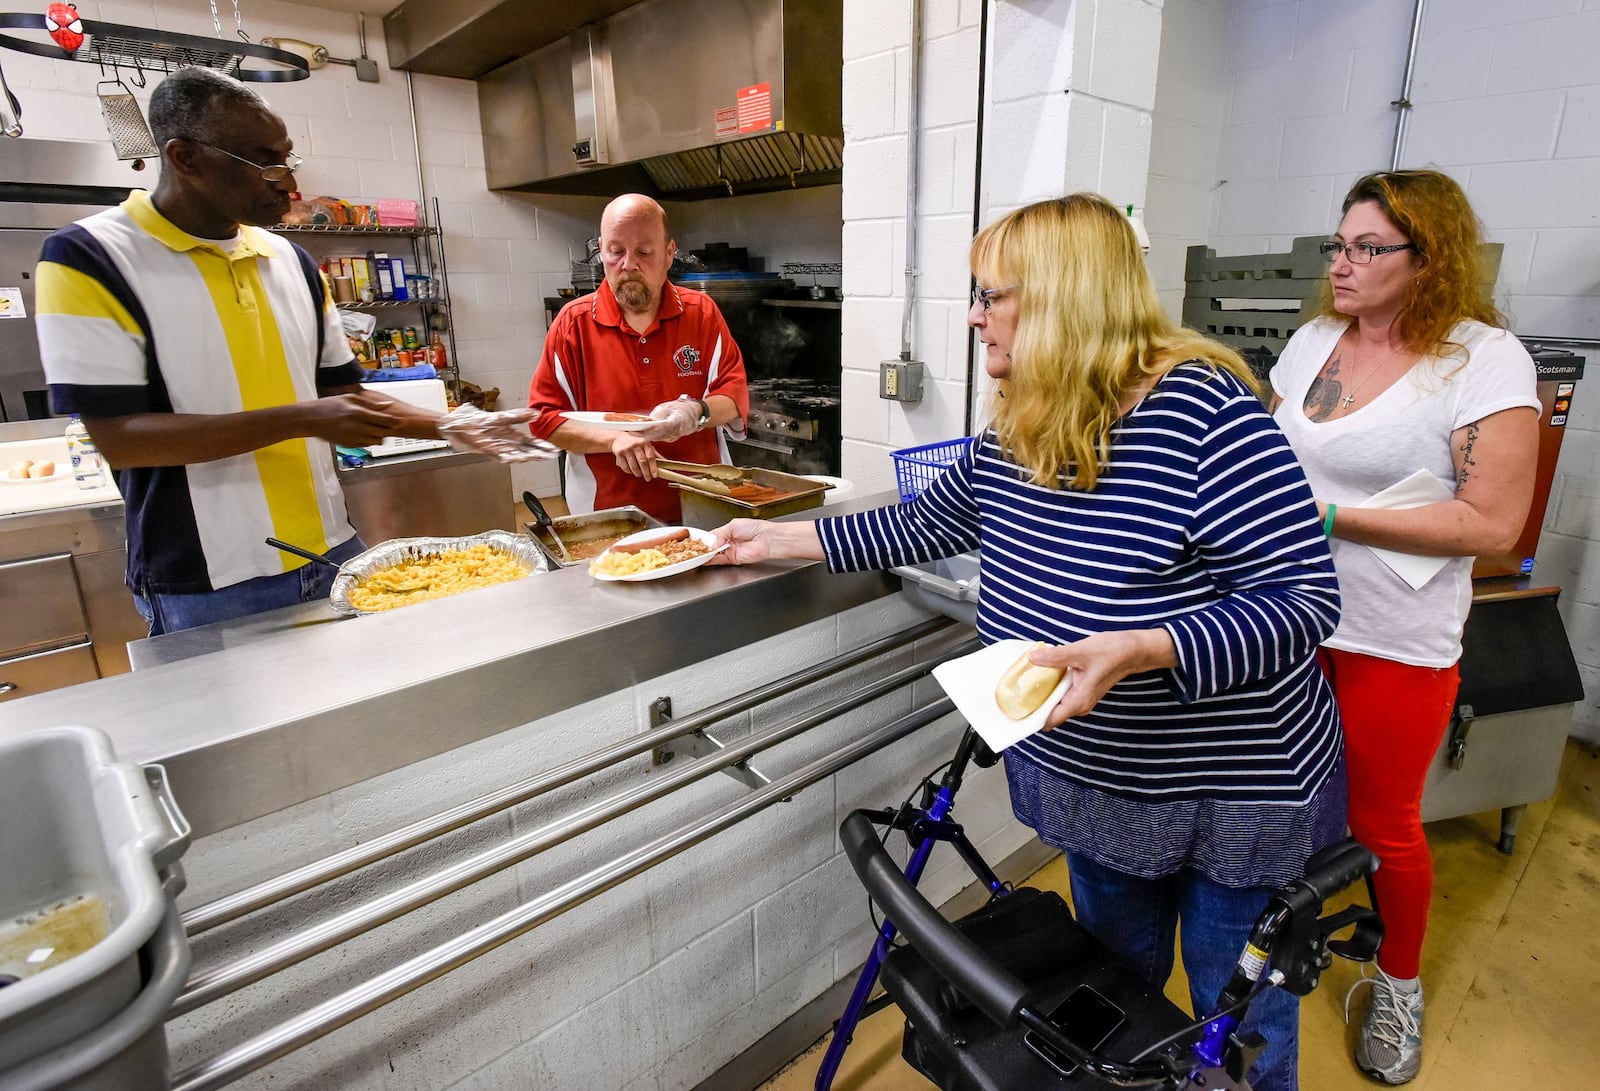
column 1323, row 396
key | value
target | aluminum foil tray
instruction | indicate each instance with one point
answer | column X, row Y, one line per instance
column 396, row 550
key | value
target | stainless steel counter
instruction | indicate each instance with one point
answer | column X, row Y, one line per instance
column 255, row 715
column 430, row 493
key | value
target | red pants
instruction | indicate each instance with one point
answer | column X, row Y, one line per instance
column 1394, row 716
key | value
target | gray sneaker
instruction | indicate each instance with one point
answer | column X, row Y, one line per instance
column 1389, row 1048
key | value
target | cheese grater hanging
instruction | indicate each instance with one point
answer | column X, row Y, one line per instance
column 130, row 136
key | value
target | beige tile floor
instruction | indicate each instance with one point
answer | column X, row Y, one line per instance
column 1511, row 968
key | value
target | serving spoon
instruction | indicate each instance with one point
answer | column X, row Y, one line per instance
column 542, row 517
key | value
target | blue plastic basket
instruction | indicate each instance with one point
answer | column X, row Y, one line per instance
column 916, row 467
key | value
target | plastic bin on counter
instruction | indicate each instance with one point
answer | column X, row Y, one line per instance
column 90, row 842
column 948, row 586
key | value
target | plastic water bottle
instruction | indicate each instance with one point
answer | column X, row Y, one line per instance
column 88, row 469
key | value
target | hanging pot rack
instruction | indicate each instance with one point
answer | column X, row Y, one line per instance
column 160, row 51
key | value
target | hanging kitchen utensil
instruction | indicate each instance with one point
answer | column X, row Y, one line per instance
column 130, row 135
column 10, row 110
column 542, row 517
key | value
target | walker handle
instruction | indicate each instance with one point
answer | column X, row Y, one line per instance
column 993, row 991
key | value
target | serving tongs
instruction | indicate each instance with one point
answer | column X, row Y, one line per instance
column 696, row 475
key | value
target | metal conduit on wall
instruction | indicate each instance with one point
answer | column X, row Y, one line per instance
column 260, row 964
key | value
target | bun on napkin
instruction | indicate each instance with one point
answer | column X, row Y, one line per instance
column 1024, row 686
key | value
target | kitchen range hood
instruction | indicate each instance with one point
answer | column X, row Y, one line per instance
column 682, row 100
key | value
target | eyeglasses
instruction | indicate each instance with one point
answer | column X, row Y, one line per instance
column 987, row 296
column 275, row 172
column 1360, row 253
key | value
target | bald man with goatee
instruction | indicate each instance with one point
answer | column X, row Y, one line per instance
column 645, row 346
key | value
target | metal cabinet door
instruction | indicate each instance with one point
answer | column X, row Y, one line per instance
column 29, row 674
column 39, row 603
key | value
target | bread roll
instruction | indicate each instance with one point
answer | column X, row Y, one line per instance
column 42, row 469
column 20, row 468
column 1024, row 686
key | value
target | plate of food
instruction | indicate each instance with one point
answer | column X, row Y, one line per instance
column 654, row 554
column 612, row 422
column 1003, row 696
column 28, row 471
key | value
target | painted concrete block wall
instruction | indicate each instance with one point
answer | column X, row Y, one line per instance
column 1505, row 101
column 877, row 59
column 1067, row 106
column 654, row 984
column 1185, row 138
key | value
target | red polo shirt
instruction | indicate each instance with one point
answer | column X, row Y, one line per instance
column 594, row 361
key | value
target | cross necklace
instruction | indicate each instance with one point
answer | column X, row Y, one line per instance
column 1349, row 399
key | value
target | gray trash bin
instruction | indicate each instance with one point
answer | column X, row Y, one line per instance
column 80, row 829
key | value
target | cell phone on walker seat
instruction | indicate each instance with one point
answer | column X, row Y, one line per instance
column 1087, row 1018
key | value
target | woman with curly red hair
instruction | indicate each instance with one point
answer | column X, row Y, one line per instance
column 1407, row 368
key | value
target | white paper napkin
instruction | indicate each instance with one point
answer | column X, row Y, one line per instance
column 1411, row 492
column 970, row 681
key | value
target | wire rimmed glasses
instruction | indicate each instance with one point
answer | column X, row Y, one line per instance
column 271, row 172
column 1359, row 253
column 987, row 296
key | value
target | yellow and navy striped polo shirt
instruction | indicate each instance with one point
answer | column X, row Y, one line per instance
column 136, row 315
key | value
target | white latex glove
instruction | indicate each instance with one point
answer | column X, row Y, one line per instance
column 674, row 420
column 503, row 435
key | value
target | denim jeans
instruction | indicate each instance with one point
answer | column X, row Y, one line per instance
column 166, row 613
column 1135, row 918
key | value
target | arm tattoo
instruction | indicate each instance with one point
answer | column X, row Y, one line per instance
column 1466, row 455
column 1323, row 396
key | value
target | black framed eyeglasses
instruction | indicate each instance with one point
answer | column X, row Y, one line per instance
column 987, row 296
column 273, row 172
column 1360, row 253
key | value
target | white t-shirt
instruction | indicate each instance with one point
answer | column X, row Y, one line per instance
column 1396, row 433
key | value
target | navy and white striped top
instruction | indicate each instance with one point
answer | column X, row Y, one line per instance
column 1202, row 524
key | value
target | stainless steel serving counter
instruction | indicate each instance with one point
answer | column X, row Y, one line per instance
column 435, row 492
column 255, row 715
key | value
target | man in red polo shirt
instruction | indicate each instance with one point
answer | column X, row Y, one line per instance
column 638, row 345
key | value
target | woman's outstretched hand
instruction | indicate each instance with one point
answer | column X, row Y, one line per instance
column 751, row 540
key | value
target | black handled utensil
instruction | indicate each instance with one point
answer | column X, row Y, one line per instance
column 542, row 517
column 306, row 553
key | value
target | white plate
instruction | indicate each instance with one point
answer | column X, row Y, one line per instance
column 598, row 420
column 61, row 473
column 703, row 536
column 970, row 681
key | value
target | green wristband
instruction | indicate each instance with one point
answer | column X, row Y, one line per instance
column 1327, row 521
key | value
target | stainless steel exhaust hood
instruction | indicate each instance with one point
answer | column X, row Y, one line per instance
column 681, row 99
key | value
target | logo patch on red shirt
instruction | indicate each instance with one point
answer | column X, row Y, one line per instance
column 687, row 359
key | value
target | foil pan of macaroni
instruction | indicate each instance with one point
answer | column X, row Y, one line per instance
column 519, row 548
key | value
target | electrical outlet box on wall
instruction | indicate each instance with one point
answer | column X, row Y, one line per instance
column 900, row 380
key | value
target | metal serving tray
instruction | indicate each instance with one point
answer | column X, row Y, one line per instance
column 397, row 550
column 575, row 530
column 707, row 510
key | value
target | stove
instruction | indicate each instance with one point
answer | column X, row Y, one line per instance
column 793, row 426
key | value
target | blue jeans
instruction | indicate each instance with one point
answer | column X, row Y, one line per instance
column 1136, row 919
column 166, row 613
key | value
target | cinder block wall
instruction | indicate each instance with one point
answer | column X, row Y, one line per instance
column 655, row 984
column 1505, row 98
column 1066, row 106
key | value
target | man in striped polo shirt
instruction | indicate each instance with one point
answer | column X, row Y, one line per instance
column 206, row 359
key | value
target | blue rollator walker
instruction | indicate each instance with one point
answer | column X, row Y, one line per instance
column 1019, row 995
